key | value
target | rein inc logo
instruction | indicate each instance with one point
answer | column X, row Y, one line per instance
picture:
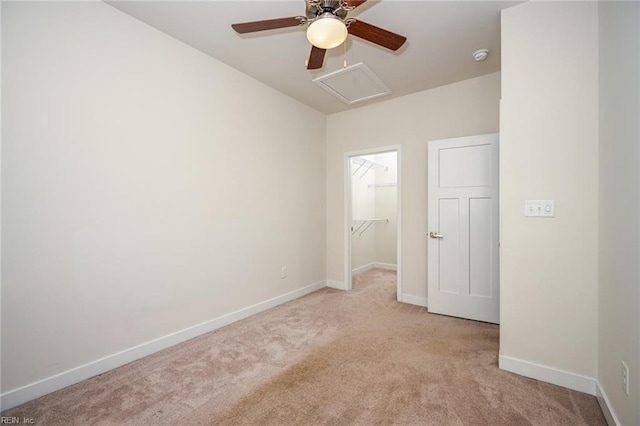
column 17, row 421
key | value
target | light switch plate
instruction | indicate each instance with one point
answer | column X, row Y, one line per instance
column 539, row 208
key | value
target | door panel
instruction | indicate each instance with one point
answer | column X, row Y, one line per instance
column 465, row 166
column 480, row 247
column 463, row 222
column 449, row 251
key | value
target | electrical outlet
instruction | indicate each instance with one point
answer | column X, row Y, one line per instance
column 283, row 272
column 625, row 378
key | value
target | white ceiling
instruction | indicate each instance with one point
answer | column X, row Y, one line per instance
column 442, row 35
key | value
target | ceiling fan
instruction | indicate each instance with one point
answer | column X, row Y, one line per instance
column 328, row 28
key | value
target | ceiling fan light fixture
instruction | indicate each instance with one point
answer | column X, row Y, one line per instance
column 327, row 32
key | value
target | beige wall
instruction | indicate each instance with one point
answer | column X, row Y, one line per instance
column 465, row 108
column 619, row 205
column 549, row 150
column 146, row 188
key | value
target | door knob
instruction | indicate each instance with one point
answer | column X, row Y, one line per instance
column 435, row 235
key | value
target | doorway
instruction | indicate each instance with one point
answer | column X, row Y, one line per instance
column 373, row 219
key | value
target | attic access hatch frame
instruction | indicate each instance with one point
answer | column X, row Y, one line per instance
column 353, row 84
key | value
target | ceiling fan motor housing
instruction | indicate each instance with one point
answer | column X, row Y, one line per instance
column 317, row 8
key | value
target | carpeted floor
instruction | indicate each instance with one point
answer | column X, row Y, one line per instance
column 331, row 357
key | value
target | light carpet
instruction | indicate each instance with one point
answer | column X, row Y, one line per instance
column 331, row 357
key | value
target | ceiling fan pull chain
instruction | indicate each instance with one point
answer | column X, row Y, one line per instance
column 344, row 64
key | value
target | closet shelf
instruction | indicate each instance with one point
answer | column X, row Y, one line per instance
column 364, row 224
column 367, row 165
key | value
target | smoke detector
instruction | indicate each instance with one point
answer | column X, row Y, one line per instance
column 480, row 55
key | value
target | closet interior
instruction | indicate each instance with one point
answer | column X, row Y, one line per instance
column 374, row 207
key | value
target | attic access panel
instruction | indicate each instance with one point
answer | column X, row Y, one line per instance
column 353, row 84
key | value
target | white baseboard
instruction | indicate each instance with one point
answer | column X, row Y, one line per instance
column 389, row 266
column 379, row 265
column 605, row 405
column 414, row 300
column 548, row 374
column 35, row 390
column 336, row 284
column 363, row 268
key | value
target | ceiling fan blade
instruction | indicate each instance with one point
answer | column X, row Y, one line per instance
column 316, row 58
column 376, row 35
column 269, row 24
column 354, row 3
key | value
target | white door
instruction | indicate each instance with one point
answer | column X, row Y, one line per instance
column 463, row 222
